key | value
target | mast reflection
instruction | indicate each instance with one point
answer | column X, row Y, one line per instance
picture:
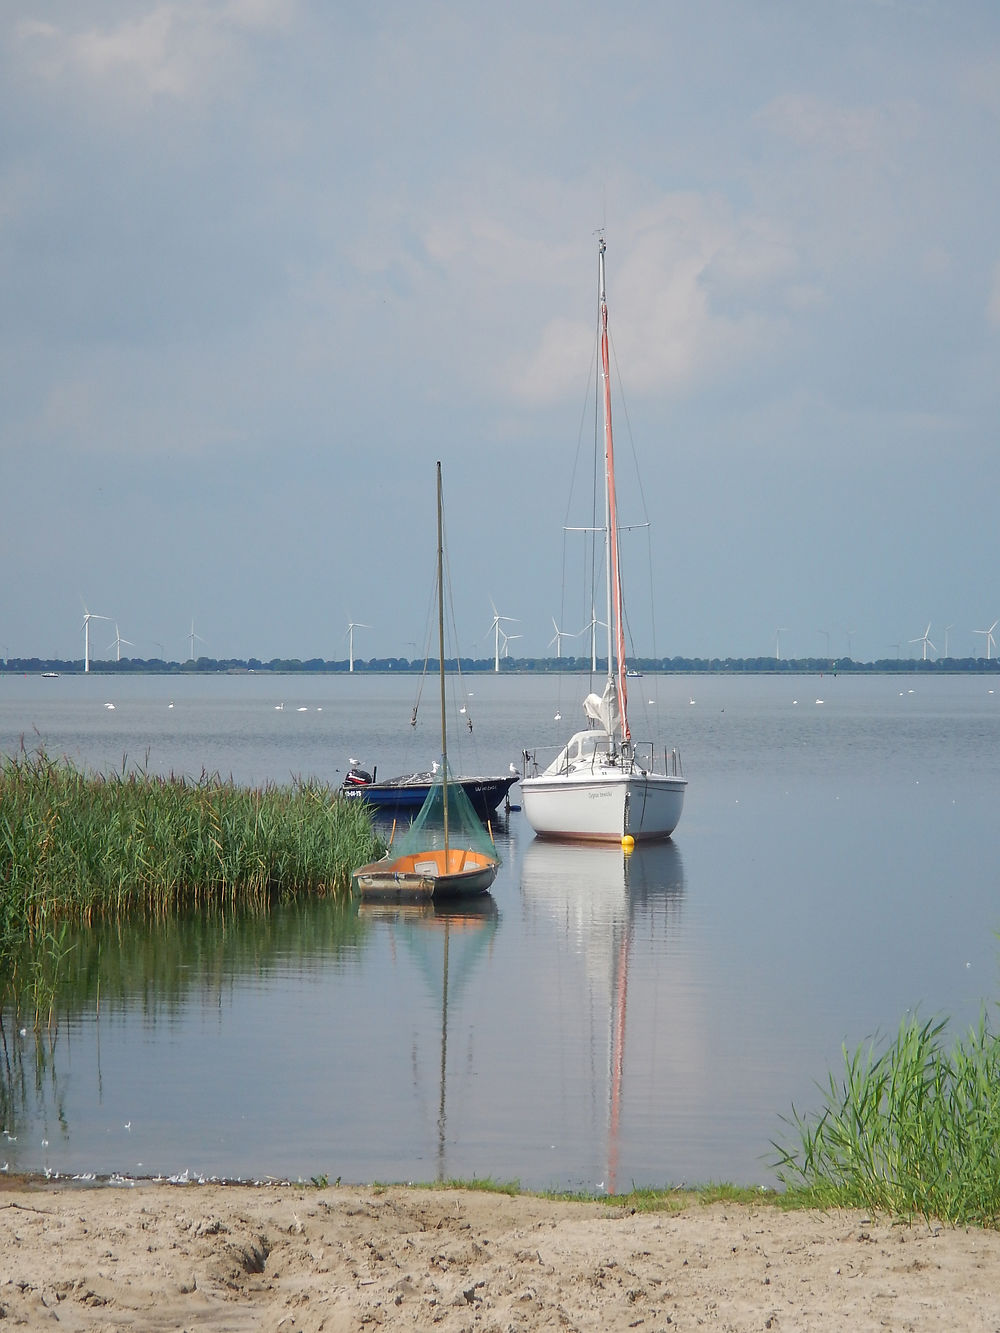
column 446, row 941
column 598, row 894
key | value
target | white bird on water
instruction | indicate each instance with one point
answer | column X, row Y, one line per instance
column 111, row 706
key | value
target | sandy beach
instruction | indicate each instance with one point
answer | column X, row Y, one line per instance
column 231, row 1258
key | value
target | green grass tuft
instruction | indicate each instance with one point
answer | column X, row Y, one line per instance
column 911, row 1130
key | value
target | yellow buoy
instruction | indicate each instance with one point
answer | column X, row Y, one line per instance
column 628, row 842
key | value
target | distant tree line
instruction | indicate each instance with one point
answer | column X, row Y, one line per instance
column 508, row 665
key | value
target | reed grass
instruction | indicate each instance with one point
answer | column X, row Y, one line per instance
column 911, row 1130
column 78, row 846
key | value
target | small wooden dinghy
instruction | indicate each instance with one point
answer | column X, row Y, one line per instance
column 429, row 873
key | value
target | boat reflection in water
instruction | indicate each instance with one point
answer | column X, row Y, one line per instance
column 599, row 894
column 445, row 940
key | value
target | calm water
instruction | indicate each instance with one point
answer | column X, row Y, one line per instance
column 603, row 1019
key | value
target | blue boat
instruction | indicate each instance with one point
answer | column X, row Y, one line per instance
column 395, row 796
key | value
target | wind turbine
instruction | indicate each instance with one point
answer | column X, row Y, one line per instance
column 497, row 631
column 560, row 634
column 506, row 640
column 88, row 616
column 355, row 624
column 924, row 640
column 777, row 642
column 946, row 629
column 592, row 626
column 826, row 635
column 191, row 639
column 117, row 642
column 990, row 641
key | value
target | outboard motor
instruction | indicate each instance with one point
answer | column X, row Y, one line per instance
column 357, row 777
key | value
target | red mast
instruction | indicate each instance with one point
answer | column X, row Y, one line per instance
column 614, row 577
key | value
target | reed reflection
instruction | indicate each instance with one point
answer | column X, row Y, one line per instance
column 445, row 942
column 159, row 964
column 115, row 968
column 598, row 894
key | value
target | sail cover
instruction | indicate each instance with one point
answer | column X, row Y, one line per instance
column 445, row 806
column 604, row 709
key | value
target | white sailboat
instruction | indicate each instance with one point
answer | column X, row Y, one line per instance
column 603, row 785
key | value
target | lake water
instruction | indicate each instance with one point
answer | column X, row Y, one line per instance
column 602, row 1020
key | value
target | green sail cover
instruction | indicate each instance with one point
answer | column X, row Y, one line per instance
column 446, row 806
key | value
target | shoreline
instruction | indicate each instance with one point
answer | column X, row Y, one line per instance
column 234, row 1257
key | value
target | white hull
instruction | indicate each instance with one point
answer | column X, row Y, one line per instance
column 603, row 807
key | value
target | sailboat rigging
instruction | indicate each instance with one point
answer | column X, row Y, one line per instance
column 446, row 851
column 602, row 786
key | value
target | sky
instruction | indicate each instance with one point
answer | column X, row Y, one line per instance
column 264, row 262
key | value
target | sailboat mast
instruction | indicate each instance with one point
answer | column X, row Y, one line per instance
column 616, row 632
column 440, row 601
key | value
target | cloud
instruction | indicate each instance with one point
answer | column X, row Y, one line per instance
column 500, row 284
column 179, row 51
column 848, row 180
column 693, row 292
column 832, row 129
